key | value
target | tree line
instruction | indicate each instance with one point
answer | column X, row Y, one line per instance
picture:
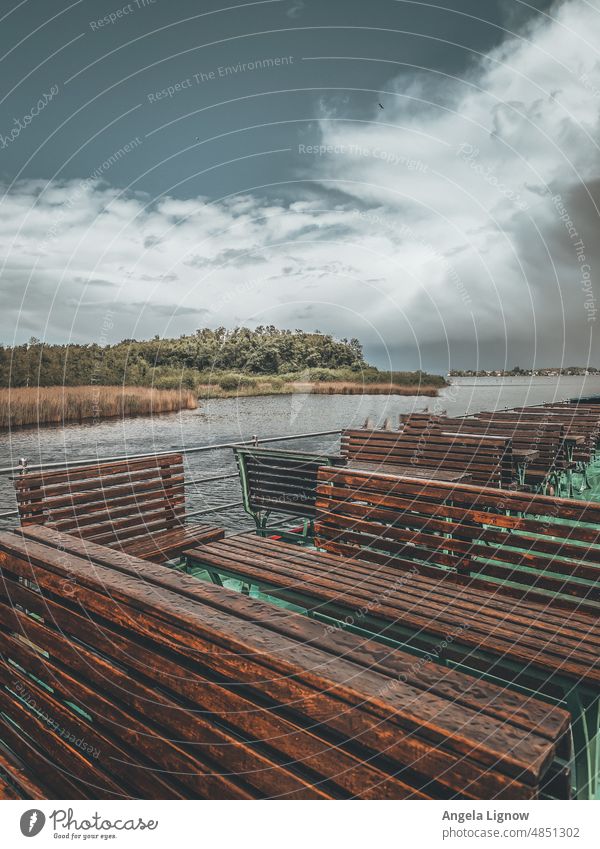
column 265, row 350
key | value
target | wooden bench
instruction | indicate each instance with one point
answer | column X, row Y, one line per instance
column 507, row 582
column 547, row 439
column 589, row 413
column 532, row 547
column 580, row 411
column 486, row 459
column 279, row 481
column 549, row 436
column 576, row 424
column 574, row 418
column 137, row 506
column 187, row 690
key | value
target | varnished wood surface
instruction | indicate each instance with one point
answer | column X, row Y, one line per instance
column 528, row 633
column 435, row 474
column 544, row 435
column 487, row 459
column 196, row 691
column 538, row 547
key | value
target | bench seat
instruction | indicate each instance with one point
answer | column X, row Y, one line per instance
column 199, row 692
column 166, row 545
column 396, row 598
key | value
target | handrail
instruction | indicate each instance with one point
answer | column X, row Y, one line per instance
column 254, row 440
column 197, row 450
column 215, row 509
column 194, row 481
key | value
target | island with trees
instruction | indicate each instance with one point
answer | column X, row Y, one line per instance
column 73, row 382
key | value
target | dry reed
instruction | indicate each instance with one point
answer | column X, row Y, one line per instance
column 63, row 404
column 358, row 388
column 330, row 387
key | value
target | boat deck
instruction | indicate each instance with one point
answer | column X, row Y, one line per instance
column 430, row 631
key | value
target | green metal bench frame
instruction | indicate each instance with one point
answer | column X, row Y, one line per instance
column 261, row 514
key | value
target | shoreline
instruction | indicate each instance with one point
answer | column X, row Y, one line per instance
column 207, row 392
column 90, row 420
column 15, row 415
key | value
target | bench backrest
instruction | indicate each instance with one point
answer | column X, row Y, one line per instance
column 545, row 437
column 530, row 545
column 588, row 410
column 282, row 481
column 573, row 417
column 106, row 502
column 545, row 434
column 575, row 423
column 487, row 459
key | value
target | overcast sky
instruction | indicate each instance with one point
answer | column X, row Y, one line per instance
column 169, row 165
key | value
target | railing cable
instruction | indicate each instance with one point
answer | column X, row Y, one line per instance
column 65, row 464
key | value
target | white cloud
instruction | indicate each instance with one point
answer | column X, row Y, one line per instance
column 160, row 265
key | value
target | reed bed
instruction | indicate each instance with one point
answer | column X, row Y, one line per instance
column 248, row 388
column 34, row 406
column 214, row 390
column 359, row 388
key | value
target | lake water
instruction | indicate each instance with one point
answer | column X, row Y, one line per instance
column 234, row 419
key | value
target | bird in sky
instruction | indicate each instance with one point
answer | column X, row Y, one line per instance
column 380, row 106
